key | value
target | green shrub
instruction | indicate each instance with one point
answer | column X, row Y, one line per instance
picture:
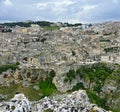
column 97, row 87
column 43, row 40
column 80, row 73
column 102, row 75
column 6, row 67
column 70, row 75
column 13, row 107
column 111, row 49
column 73, row 53
column 104, row 40
column 78, row 86
column 52, row 73
column 106, row 34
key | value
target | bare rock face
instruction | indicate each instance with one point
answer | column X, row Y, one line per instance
column 78, row 101
column 62, row 86
column 17, row 104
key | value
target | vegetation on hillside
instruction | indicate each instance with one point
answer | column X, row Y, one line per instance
column 6, row 67
column 45, row 88
column 96, row 75
column 96, row 72
column 30, row 92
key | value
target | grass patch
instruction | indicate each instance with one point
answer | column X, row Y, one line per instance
column 29, row 92
column 47, row 87
column 51, row 28
column 9, row 91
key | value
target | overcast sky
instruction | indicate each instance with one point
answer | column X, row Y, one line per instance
column 86, row 11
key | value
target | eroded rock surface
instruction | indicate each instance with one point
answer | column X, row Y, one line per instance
column 77, row 101
column 17, row 104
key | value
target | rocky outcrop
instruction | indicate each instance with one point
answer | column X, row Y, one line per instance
column 63, row 86
column 23, row 76
column 77, row 101
column 17, row 104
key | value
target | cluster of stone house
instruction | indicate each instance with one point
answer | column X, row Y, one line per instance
column 62, row 49
column 33, row 30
